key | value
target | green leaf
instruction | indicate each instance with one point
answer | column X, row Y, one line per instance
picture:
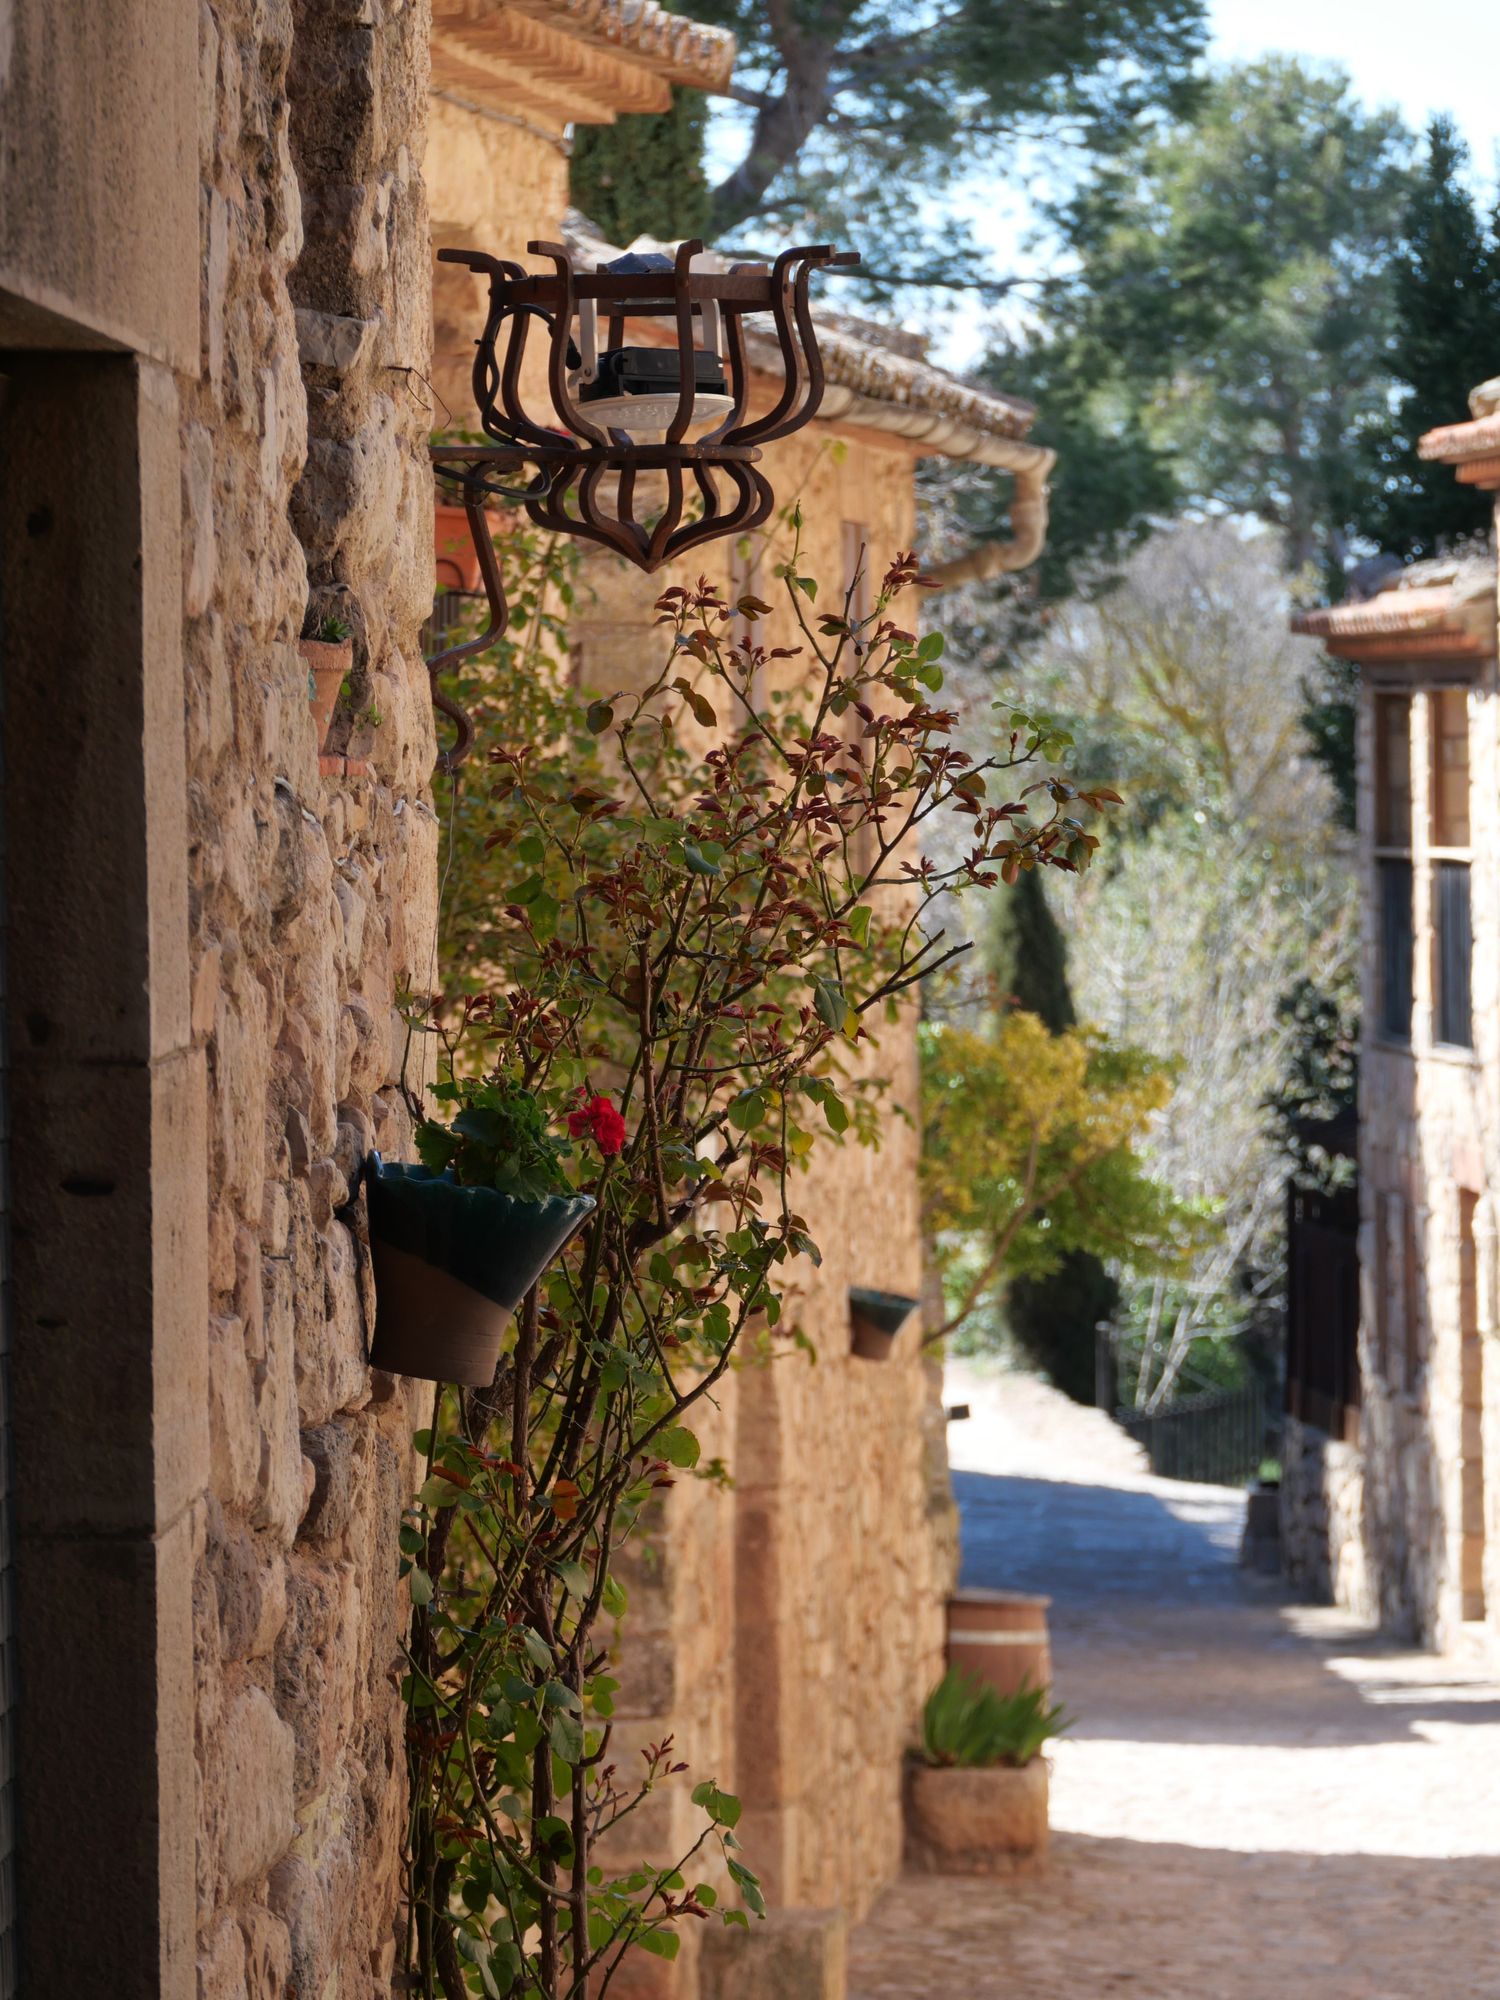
column 830, row 1003
column 660, row 1944
column 698, row 862
column 808, row 586
column 578, row 1578
column 679, row 1447
column 723, row 1808
column 439, row 1492
column 748, row 1884
column 599, row 717
column 419, row 1583
column 748, row 1109
column 859, row 924
column 565, row 1734
column 537, row 1650
column 614, row 1599
column 930, row 646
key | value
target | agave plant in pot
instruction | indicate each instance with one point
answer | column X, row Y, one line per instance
column 460, row 1238
column 976, row 1793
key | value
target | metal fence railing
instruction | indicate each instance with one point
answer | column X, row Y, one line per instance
column 1217, row 1437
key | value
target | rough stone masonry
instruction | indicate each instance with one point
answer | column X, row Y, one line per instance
column 305, row 494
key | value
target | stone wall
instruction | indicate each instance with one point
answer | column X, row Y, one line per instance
column 313, row 904
column 1322, row 1519
column 1414, row 1536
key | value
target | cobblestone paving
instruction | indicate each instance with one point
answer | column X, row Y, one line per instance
column 1258, row 1799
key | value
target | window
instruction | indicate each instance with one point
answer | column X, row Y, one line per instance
column 1393, row 770
column 1393, row 866
column 1450, row 768
column 1394, row 878
column 1455, row 944
column 1452, row 932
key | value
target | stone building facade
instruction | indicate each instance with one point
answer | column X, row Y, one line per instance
column 216, row 312
column 1396, row 1516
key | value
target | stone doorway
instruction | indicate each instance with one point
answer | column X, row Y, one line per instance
column 1471, row 1417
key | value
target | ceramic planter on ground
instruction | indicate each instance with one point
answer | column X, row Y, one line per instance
column 327, row 662
column 875, row 1318
column 974, row 1821
column 451, row 1265
column 1000, row 1636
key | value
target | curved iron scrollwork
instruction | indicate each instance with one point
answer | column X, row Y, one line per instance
column 650, row 450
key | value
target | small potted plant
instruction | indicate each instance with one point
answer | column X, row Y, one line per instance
column 460, row 1238
column 328, row 656
column 976, row 1791
column 875, row 1318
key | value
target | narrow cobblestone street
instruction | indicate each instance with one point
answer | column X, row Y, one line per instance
column 1257, row 1797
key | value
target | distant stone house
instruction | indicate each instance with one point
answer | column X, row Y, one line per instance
column 1387, row 1504
column 216, row 317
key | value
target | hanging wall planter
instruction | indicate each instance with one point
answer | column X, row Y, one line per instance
column 328, row 662
column 875, row 1318
column 451, row 1265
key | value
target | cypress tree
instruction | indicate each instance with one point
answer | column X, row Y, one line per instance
column 643, row 175
column 1028, row 955
column 1051, row 1319
column 1447, row 340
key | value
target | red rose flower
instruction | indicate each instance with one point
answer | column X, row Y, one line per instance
column 597, row 1118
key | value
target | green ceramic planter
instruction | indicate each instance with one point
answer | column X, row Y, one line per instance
column 875, row 1318
column 451, row 1265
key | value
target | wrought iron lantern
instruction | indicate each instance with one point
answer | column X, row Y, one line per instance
column 649, row 447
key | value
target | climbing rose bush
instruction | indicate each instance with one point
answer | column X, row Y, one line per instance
column 684, row 911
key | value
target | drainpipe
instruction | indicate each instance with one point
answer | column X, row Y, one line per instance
column 1028, row 521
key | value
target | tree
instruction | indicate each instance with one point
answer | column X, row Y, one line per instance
column 1447, row 277
column 1051, row 1316
column 854, row 105
column 1029, row 1152
column 1235, row 299
column 1113, row 480
column 1028, row 956
column 644, row 175
column 1224, row 885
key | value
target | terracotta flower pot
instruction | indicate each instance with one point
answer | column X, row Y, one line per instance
column 875, row 1318
column 327, row 662
column 451, row 1265
column 1000, row 1636
column 974, row 1821
column 453, row 546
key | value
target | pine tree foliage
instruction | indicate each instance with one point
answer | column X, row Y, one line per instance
column 1447, row 288
column 856, row 108
column 1027, row 953
column 643, row 175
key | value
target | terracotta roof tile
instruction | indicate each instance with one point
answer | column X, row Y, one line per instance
column 1456, row 444
column 1431, row 610
column 683, row 50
